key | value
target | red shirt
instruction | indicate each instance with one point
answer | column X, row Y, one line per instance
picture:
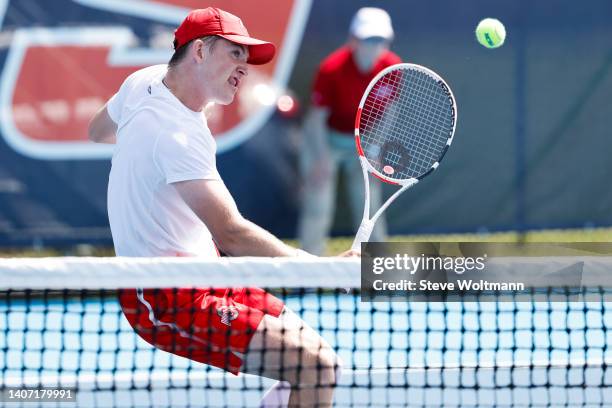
column 339, row 86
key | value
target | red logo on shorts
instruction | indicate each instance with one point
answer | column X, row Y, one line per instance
column 227, row 313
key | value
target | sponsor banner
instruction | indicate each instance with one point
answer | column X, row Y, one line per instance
column 56, row 78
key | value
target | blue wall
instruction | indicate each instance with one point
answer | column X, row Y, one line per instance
column 532, row 145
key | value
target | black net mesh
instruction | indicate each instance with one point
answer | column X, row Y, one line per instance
column 128, row 348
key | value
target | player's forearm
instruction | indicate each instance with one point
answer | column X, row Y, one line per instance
column 234, row 235
column 245, row 238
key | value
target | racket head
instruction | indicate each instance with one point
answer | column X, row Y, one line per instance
column 405, row 123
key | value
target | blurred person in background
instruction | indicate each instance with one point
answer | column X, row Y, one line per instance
column 329, row 143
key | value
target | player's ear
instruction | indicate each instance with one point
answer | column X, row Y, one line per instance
column 199, row 50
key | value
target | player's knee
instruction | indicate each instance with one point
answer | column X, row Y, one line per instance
column 331, row 365
column 323, row 367
column 338, row 367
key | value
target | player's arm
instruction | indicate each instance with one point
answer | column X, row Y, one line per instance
column 102, row 129
column 236, row 236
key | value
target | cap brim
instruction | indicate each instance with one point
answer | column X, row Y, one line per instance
column 372, row 32
column 260, row 52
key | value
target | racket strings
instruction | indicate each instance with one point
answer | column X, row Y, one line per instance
column 395, row 155
column 412, row 114
column 418, row 101
column 406, row 108
column 417, row 110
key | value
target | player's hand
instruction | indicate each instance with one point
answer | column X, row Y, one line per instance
column 350, row 254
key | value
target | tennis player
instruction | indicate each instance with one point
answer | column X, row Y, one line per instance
column 166, row 198
column 339, row 84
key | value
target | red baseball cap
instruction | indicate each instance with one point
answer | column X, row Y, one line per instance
column 214, row 21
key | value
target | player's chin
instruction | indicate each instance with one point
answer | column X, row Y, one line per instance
column 225, row 100
column 228, row 96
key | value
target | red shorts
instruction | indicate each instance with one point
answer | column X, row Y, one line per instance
column 205, row 325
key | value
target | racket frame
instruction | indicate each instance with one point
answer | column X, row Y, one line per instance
column 367, row 223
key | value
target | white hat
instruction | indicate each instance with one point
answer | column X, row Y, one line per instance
column 371, row 22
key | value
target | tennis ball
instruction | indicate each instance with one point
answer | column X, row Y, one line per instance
column 491, row 33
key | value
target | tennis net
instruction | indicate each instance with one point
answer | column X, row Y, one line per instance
column 62, row 326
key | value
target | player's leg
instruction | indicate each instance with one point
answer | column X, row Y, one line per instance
column 287, row 349
column 318, row 203
column 277, row 395
column 237, row 329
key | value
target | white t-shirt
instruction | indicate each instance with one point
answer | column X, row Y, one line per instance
column 159, row 142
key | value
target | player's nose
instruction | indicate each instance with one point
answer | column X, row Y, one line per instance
column 243, row 71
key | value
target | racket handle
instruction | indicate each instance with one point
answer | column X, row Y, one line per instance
column 363, row 235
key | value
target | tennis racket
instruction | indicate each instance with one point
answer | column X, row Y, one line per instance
column 404, row 126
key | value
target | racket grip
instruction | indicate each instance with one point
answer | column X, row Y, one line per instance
column 363, row 235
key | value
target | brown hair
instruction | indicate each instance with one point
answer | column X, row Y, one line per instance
column 179, row 53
